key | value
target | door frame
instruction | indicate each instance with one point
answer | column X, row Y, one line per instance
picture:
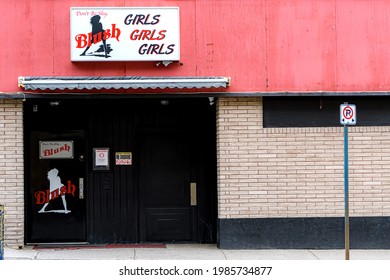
column 142, row 133
column 80, row 150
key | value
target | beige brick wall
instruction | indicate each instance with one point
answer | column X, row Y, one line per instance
column 297, row 172
column 11, row 171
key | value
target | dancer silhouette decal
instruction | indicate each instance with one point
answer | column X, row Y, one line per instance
column 56, row 189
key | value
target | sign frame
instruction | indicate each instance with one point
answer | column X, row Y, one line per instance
column 124, row 158
column 158, row 28
column 61, row 149
column 101, row 159
column 348, row 114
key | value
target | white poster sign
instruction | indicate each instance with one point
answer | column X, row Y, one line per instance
column 125, row 34
column 101, row 157
column 123, row 158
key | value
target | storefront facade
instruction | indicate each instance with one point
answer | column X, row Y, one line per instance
column 235, row 141
column 154, row 153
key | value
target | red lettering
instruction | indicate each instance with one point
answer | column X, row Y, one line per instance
column 47, row 196
column 71, row 188
column 97, row 38
column 54, row 194
column 106, row 34
column 40, row 197
column 134, row 35
column 162, row 34
column 63, row 190
column 78, row 13
column 81, row 40
column 115, row 32
column 149, row 35
column 47, row 153
column 64, row 148
column 84, row 40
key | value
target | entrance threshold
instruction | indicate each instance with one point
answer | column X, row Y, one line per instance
column 96, row 246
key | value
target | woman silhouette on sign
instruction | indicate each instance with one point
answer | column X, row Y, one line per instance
column 55, row 185
column 97, row 35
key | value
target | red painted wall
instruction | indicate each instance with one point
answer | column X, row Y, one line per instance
column 263, row 45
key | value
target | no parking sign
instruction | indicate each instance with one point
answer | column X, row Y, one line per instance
column 347, row 114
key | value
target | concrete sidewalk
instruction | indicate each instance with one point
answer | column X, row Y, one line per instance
column 186, row 252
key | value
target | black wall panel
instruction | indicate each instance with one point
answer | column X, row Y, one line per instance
column 303, row 233
column 323, row 111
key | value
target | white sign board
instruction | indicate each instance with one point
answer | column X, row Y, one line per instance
column 55, row 149
column 123, row 158
column 347, row 114
column 125, row 34
column 101, row 157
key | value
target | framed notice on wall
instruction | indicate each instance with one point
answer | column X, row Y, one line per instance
column 101, row 159
column 123, row 158
column 125, row 34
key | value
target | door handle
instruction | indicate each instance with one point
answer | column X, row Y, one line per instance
column 81, row 188
column 193, row 197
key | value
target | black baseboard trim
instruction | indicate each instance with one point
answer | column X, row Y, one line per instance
column 303, row 233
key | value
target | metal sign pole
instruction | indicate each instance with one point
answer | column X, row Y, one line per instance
column 347, row 117
column 346, row 195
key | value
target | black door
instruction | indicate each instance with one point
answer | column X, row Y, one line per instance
column 165, row 211
column 56, row 196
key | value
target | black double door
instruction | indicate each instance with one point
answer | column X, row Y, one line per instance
column 165, row 193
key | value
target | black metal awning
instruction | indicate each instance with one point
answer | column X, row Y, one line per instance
column 128, row 82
